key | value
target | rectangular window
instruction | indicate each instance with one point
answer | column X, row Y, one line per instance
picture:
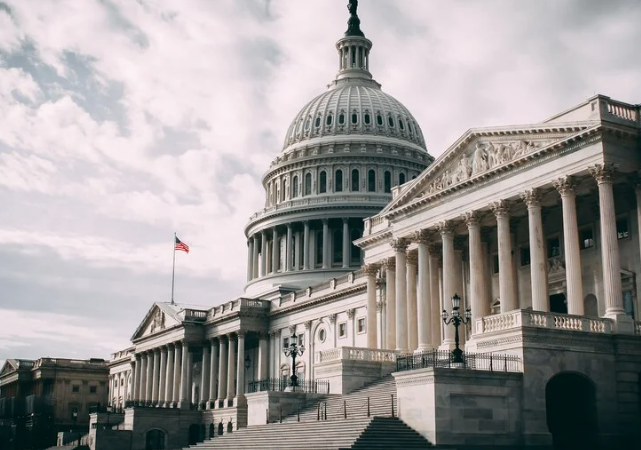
column 525, row 256
column 342, row 330
column 586, row 238
column 93, row 389
column 495, row 264
column 554, row 247
column 361, row 325
column 623, row 231
column 285, row 342
column 301, row 339
column 75, row 388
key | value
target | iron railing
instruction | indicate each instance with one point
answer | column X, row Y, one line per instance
column 281, row 384
column 473, row 361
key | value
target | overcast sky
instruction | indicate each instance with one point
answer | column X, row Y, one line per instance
column 123, row 121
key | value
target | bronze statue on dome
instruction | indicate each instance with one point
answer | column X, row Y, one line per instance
column 354, row 23
column 352, row 6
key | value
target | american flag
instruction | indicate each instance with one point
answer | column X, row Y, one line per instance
column 181, row 246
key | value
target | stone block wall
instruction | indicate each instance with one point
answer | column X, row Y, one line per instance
column 262, row 404
column 345, row 376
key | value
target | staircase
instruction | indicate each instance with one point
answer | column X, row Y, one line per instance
column 338, row 422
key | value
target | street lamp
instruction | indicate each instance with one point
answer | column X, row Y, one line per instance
column 457, row 319
column 293, row 351
column 74, row 417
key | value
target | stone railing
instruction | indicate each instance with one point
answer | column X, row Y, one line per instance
column 538, row 319
column 237, row 305
column 193, row 314
column 623, row 110
column 356, row 354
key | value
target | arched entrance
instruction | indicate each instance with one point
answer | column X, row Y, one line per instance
column 570, row 403
column 194, row 434
column 155, row 440
column 212, row 430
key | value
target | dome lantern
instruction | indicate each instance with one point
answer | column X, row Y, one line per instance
column 353, row 49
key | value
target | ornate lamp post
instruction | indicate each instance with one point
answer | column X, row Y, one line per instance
column 293, row 351
column 457, row 319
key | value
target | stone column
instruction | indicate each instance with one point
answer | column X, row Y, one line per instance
column 435, row 298
column 250, row 255
column 412, row 310
column 370, row 271
column 346, row 244
column 169, row 376
column 400, row 246
column 263, row 253
column 297, row 251
column 449, row 279
column 573, row 269
column 326, row 256
column 222, row 368
column 240, row 369
column 390, row 300
column 190, row 379
column 305, row 245
column 205, row 375
column 506, row 267
column 136, row 395
column 423, row 307
column 275, row 250
column 163, row 377
column 254, row 262
column 480, row 302
column 185, row 376
column 149, row 378
column 178, row 357
column 538, row 261
column 231, row 368
column 288, row 249
column 213, row 372
column 156, row 377
column 263, row 356
column 609, row 242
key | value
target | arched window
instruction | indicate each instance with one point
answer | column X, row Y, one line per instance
column 341, row 119
column 354, row 118
column 337, row 254
column 390, row 121
column 379, row 120
column 283, row 191
column 308, row 184
column 338, row 181
column 401, row 178
column 367, row 119
column 308, row 123
column 371, row 180
column 295, row 187
column 356, row 252
column 355, row 180
column 322, row 182
column 387, row 182
column 317, row 122
column 401, row 124
column 329, row 120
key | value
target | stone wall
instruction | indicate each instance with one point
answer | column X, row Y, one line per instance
column 261, row 405
column 345, row 376
column 174, row 423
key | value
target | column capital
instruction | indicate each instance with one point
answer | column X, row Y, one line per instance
column 389, row 263
column 532, row 197
column 433, row 249
column 472, row 219
column 412, row 258
column 380, row 305
column 332, row 318
column 371, row 269
column 446, row 228
column 345, row 220
column 308, row 324
column 325, row 221
column 399, row 244
column 241, row 334
column 603, row 173
column 350, row 313
column 292, row 330
column 565, row 185
column 231, row 337
column 500, row 208
column 422, row 236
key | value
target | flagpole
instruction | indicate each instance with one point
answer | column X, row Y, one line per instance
column 173, row 271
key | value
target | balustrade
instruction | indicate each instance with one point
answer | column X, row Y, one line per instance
column 539, row 319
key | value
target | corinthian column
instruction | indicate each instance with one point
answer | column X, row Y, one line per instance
column 609, row 242
column 149, row 378
column 435, row 302
column 169, row 376
column 263, row 253
column 571, row 246
column 506, row 267
column 240, row 369
column 423, row 307
column 480, row 302
column 178, row 357
column 326, row 256
column 390, row 300
column 370, row 271
column 400, row 246
column 163, row 376
column 449, row 278
column 255, row 257
column 275, row 250
column 213, row 372
column 205, row 375
column 288, row 249
column 346, row 244
column 136, row 395
column 231, row 368
column 538, row 262
column 222, row 369
column 185, row 377
column 250, row 254
column 305, row 245
column 412, row 310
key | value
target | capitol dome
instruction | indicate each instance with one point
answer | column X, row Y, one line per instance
column 344, row 153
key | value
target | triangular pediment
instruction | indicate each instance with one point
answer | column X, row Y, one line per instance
column 13, row 365
column 480, row 153
column 159, row 317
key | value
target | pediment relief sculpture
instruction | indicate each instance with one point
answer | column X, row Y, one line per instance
column 158, row 322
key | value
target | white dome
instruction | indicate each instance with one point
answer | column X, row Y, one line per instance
column 354, row 107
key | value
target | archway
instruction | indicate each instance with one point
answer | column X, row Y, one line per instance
column 220, row 429
column 570, row 403
column 155, row 440
column 194, row 434
column 212, row 430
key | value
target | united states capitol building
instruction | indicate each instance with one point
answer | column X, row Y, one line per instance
column 362, row 243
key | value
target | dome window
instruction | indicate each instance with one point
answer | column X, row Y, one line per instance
column 379, row 120
column 401, row 124
column 338, row 181
column 329, row 120
column 355, row 180
column 390, row 121
column 371, row 181
column 295, row 187
column 401, row 178
column 308, row 184
column 354, row 118
column 308, row 123
column 317, row 122
column 367, row 119
column 322, row 182
column 387, row 184
column 341, row 119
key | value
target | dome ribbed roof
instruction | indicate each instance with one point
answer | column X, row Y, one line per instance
column 354, row 108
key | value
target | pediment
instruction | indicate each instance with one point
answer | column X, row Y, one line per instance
column 478, row 154
column 158, row 318
column 12, row 365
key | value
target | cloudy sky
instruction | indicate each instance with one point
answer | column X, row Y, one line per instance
column 122, row 121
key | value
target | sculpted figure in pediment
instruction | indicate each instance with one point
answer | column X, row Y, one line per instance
column 479, row 160
column 492, row 156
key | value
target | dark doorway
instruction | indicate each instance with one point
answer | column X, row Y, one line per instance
column 194, row 434
column 212, row 430
column 570, row 403
column 155, row 440
column 221, row 429
column 558, row 303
